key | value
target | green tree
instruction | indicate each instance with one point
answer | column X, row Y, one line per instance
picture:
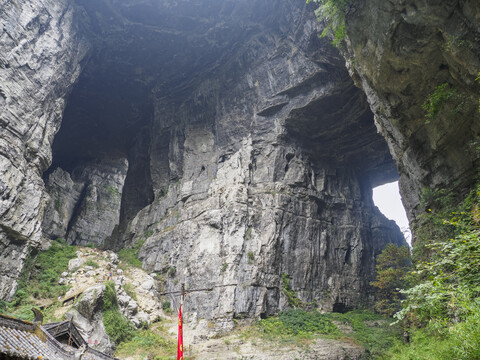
column 393, row 265
column 333, row 13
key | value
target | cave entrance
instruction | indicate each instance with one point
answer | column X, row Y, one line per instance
column 388, row 200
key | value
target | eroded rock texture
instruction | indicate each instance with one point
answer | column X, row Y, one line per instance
column 251, row 161
column 40, row 59
column 231, row 139
column 84, row 207
column 400, row 52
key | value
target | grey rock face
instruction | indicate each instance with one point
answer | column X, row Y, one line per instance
column 87, row 317
column 263, row 188
column 399, row 59
column 39, row 62
column 84, row 210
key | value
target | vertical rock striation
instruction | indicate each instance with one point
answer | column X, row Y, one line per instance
column 84, row 208
column 224, row 133
column 40, row 60
column 262, row 174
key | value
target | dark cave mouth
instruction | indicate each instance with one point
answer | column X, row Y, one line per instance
column 110, row 112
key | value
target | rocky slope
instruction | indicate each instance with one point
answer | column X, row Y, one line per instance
column 83, row 303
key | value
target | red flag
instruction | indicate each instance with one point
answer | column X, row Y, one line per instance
column 180, row 335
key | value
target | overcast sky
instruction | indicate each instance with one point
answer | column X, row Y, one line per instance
column 387, row 198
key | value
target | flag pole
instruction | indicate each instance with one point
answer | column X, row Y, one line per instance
column 180, row 326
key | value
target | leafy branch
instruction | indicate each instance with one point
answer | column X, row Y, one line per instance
column 333, row 13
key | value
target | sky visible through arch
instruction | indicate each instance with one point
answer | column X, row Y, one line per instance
column 387, row 198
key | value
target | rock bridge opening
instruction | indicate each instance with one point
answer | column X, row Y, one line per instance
column 221, row 128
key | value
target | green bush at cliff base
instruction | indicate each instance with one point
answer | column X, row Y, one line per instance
column 299, row 323
column 457, row 341
column 42, row 281
column 442, row 309
column 373, row 331
column 117, row 327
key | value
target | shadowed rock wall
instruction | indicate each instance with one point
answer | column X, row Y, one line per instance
column 262, row 175
column 399, row 59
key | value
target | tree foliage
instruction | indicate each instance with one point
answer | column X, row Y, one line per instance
column 442, row 308
column 333, row 13
column 393, row 265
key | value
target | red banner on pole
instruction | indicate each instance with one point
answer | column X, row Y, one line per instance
column 180, row 335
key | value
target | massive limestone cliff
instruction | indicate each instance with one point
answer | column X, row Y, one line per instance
column 403, row 52
column 251, row 156
column 227, row 136
column 40, row 59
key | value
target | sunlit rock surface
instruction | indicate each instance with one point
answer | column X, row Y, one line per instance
column 40, row 59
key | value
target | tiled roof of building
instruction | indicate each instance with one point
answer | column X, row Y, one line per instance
column 26, row 340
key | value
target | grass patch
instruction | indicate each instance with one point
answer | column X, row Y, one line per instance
column 40, row 275
column 130, row 255
column 299, row 324
column 373, row 331
column 147, row 344
column 92, row 263
column 130, row 290
column 298, row 327
column 39, row 279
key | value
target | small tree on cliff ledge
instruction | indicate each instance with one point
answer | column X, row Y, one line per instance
column 393, row 265
column 333, row 13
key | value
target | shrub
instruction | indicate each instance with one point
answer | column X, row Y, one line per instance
column 130, row 290
column 145, row 344
column 442, row 308
column 250, row 257
column 438, row 100
column 333, row 13
column 117, row 327
column 393, row 265
column 292, row 297
column 91, row 263
column 166, row 305
column 40, row 274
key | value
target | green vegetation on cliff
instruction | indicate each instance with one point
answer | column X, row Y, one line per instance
column 117, row 327
column 441, row 310
column 333, row 13
column 38, row 282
